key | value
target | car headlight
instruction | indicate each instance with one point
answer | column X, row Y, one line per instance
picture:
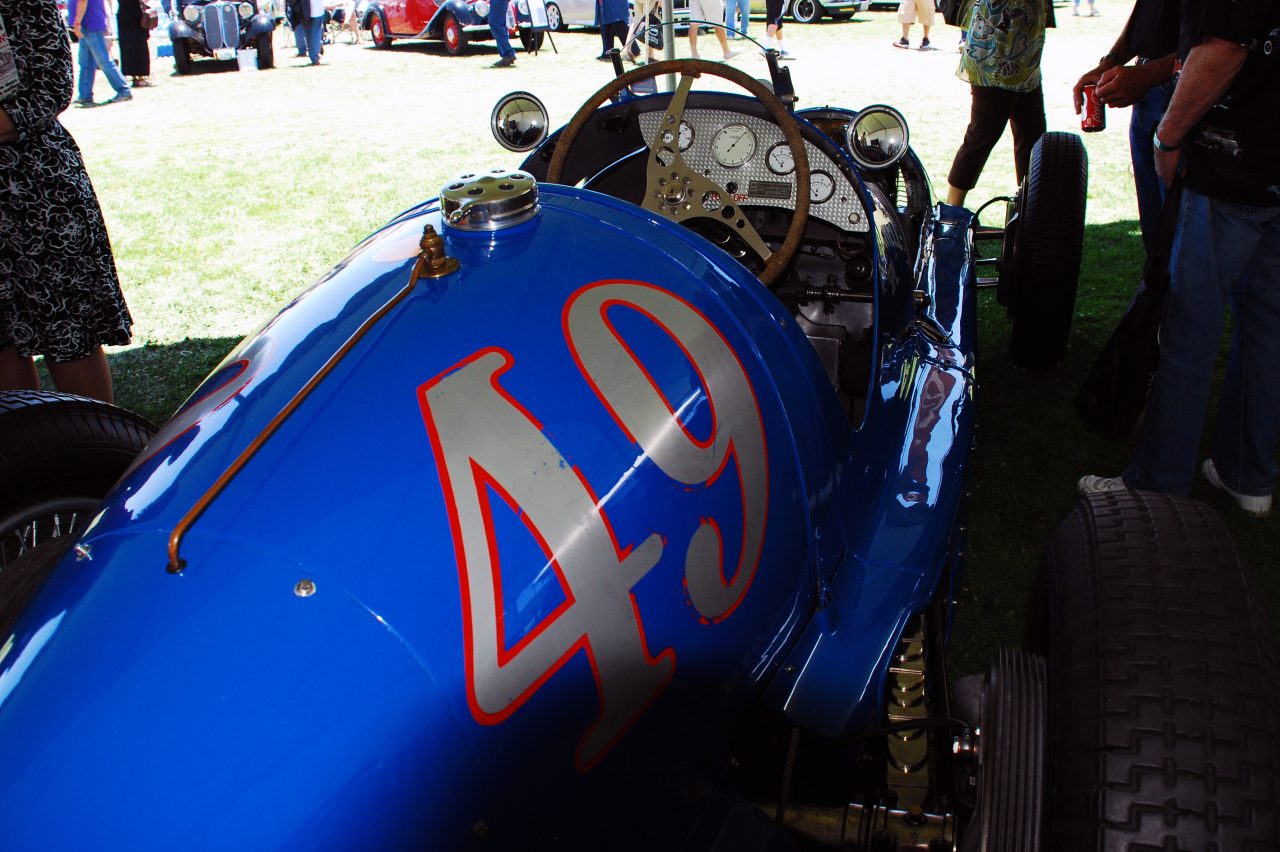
column 191, row 14
column 245, row 10
column 481, row 8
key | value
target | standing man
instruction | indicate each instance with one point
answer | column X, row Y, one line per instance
column 498, row 25
column 1222, row 130
column 89, row 25
column 710, row 11
column 1150, row 36
column 909, row 11
column 738, row 17
column 313, row 29
column 774, row 11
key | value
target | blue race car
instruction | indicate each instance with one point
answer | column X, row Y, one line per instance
column 616, row 501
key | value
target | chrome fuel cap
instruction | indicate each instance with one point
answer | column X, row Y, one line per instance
column 489, row 201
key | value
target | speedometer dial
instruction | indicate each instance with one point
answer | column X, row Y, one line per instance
column 821, row 187
column 733, row 145
column 780, row 160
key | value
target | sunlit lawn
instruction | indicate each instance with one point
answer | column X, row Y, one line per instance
column 225, row 193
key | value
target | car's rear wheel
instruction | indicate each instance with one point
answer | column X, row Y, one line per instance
column 181, row 56
column 1038, row 282
column 455, row 38
column 1164, row 682
column 378, row 31
column 555, row 21
column 59, row 456
column 531, row 40
column 806, row 11
column 266, row 51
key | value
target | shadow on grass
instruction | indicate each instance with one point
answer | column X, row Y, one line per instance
column 1032, row 448
column 154, row 379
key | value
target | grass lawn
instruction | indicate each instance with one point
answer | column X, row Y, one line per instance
column 226, row 193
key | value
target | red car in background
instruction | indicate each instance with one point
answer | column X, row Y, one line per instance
column 455, row 22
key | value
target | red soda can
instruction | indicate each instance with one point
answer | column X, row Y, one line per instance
column 1094, row 117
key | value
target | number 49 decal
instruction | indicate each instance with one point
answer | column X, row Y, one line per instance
column 485, row 440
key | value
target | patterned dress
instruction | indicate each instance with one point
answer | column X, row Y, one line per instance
column 59, row 294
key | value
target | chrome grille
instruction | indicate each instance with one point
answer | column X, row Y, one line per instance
column 221, row 26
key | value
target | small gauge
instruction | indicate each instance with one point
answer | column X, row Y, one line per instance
column 779, row 159
column 733, row 145
column 686, row 135
column 821, row 187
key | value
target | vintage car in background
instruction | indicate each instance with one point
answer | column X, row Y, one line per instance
column 454, row 22
column 617, row 501
column 219, row 29
column 811, row 11
column 582, row 13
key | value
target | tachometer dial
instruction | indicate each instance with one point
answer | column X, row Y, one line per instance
column 686, row 135
column 780, row 160
column 821, row 187
column 733, row 145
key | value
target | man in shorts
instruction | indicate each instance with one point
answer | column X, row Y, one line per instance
column 712, row 12
column 908, row 12
column 774, row 10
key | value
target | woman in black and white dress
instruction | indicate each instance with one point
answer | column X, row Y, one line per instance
column 59, row 294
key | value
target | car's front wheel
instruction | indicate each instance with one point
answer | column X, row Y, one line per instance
column 455, row 37
column 1164, row 682
column 555, row 21
column 266, row 51
column 806, row 11
column 59, row 456
column 378, row 31
column 181, row 56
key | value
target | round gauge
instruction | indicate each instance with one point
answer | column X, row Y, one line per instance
column 733, row 145
column 821, row 187
column 779, row 159
column 686, row 135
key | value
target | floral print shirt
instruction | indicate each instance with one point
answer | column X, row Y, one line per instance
column 1006, row 38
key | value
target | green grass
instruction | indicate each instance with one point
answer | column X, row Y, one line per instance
column 227, row 193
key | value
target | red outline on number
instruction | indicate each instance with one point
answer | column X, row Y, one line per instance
column 731, row 451
column 583, row 642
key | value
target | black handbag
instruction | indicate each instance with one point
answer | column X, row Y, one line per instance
column 653, row 30
column 1115, row 393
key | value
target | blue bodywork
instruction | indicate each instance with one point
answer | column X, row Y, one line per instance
column 309, row 679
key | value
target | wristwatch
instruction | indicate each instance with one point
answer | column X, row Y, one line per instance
column 1160, row 146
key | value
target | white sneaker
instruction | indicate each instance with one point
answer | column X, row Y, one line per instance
column 1100, row 484
column 1256, row 505
column 786, row 54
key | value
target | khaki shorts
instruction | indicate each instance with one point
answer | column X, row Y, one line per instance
column 707, row 10
column 910, row 10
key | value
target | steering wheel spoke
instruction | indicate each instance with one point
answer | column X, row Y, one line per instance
column 676, row 191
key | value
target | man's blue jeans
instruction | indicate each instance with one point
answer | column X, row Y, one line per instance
column 1147, row 112
column 732, row 10
column 498, row 25
column 93, row 55
column 1222, row 253
column 313, row 35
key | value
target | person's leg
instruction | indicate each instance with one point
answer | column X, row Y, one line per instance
column 988, row 115
column 693, row 41
column 97, row 43
column 1026, row 120
column 1248, row 428
column 1207, row 259
column 1147, row 112
column 89, row 376
column 498, row 26
column 87, row 69
column 300, row 38
column 17, row 372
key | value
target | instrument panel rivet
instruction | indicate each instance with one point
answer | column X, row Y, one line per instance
column 304, row 588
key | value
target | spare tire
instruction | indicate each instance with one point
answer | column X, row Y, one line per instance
column 1040, row 265
column 1164, row 683
column 59, row 456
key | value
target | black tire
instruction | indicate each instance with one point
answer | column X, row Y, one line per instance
column 453, row 35
column 59, row 456
column 266, row 51
column 1038, row 283
column 20, row 580
column 530, row 40
column 806, row 11
column 181, row 56
column 378, row 31
column 841, row 16
column 1164, row 683
column 555, row 21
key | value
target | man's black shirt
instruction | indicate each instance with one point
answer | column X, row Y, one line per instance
column 1152, row 31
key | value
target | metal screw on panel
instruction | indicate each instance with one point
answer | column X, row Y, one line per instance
column 304, row 588
column 83, row 552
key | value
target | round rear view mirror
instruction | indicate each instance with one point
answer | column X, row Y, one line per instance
column 877, row 137
column 519, row 122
